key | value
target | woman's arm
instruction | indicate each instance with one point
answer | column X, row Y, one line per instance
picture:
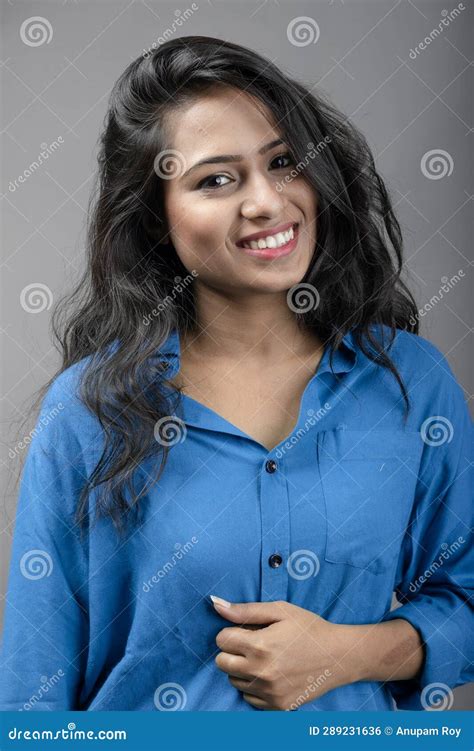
column 46, row 624
column 434, row 583
column 385, row 651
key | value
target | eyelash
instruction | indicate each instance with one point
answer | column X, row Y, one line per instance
column 201, row 185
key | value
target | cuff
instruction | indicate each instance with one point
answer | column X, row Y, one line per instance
column 443, row 661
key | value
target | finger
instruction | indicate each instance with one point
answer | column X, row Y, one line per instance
column 254, row 612
column 243, row 685
column 257, row 702
column 235, row 640
column 233, row 665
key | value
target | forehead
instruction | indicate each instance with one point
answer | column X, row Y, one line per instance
column 223, row 120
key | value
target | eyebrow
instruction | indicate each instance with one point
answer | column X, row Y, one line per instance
column 230, row 157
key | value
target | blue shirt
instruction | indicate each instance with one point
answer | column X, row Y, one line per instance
column 355, row 504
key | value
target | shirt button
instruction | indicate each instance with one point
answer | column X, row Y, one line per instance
column 271, row 465
column 275, row 560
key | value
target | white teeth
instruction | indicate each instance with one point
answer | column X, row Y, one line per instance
column 272, row 241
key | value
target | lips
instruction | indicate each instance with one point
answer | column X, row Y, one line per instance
column 266, row 233
column 271, row 254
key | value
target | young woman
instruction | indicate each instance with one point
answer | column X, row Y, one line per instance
column 244, row 411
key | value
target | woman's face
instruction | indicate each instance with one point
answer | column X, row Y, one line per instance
column 209, row 208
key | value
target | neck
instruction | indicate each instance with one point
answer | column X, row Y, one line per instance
column 257, row 326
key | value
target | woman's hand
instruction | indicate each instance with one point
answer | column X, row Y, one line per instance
column 284, row 656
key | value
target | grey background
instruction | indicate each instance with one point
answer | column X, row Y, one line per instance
column 59, row 90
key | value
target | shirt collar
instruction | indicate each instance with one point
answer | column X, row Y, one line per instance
column 344, row 359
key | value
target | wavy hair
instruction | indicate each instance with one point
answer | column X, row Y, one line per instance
column 131, row 265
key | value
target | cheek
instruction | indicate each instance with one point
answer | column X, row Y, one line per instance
column 305, row 196
column 199, row 228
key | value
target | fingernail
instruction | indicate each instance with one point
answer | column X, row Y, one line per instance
column 220, row 601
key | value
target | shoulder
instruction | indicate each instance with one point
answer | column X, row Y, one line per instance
column 415, row 356
column 64, row 421
column 431, row 383
column 64, row 390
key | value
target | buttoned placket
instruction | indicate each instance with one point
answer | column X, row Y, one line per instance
column 275, row 516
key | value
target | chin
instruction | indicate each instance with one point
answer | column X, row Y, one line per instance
column 278, row 283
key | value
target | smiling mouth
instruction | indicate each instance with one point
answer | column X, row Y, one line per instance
column 280, row 244
column 270, row 241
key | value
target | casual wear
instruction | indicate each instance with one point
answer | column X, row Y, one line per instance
column 353, row 505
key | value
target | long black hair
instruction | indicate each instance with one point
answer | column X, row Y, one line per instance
column 132, row 266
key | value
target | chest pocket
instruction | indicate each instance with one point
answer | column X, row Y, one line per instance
column 368, row 481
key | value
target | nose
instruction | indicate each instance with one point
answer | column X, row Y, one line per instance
column 262, row 198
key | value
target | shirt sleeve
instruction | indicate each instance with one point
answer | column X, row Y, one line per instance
column 45, row 636
column 435, row 573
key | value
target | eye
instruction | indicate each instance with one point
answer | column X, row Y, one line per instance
column 204, row 183
column 286, row 155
